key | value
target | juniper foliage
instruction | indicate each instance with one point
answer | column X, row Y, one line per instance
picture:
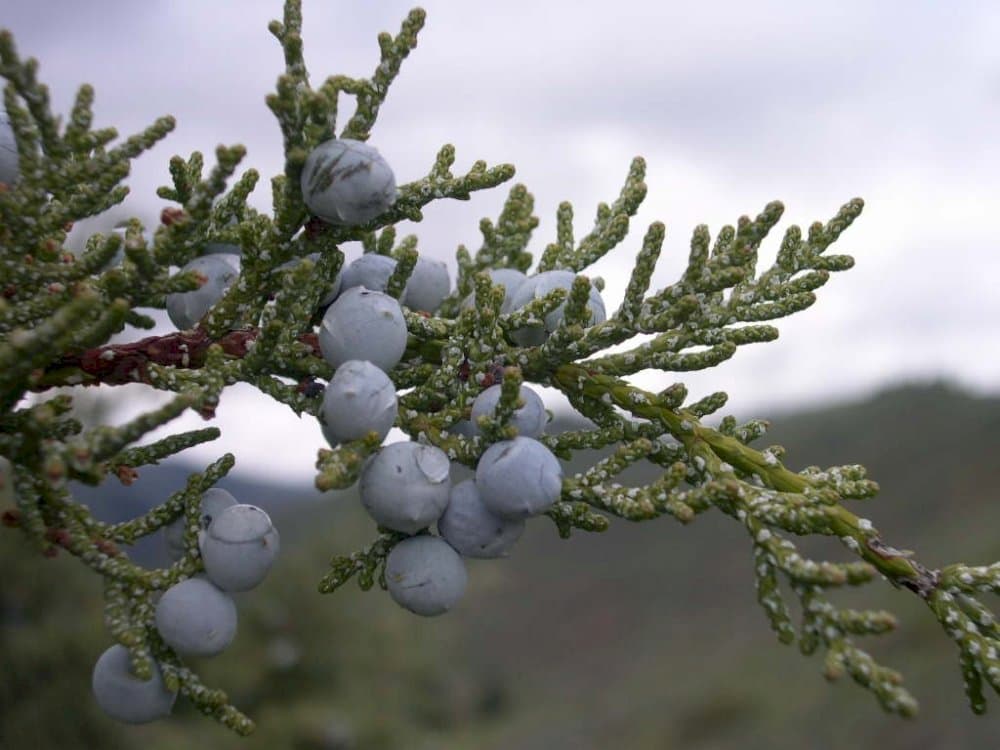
column 58, row 311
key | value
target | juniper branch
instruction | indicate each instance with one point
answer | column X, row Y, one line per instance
column 57, row 312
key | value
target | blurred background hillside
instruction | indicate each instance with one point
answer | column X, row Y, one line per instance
column 646, row 636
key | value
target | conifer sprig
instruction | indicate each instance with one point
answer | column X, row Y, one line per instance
column 58, row 311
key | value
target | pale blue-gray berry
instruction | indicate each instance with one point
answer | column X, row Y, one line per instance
column 187, row 308
column 330, row 437
column 347, row 182
column 425, row 575
column 405, row 486
column 427, row 286
column 366, row 325
column 214, row 500
column 195, row 618
column 239, row 547
column 472, row 528
column 233, row 259
column 511, row 280
column 9, row 160
column 359, row 399
column 371, row 270
column 529, row 419
column 518, row 478
column 123, row 696
column 538, row 286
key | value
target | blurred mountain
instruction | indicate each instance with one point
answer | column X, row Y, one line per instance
column 646, row 636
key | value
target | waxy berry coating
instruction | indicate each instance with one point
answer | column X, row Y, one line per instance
column 529, row 419
column 366, row 325
column 195, row 618
column 359, row 399
column 511, row 280
column 425, row 575
column 239, row 547
column 472, row 528
column 518, row 478
column 371, row 270
column 347, row 182
column 123, row 696
column 405, row 486
column 214, row 500
column 427, row 286
column 538, row 286
column 187, row 308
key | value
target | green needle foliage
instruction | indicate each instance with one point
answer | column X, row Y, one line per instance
column 58, row 311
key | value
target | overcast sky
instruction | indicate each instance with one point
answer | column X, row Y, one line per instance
column 732, row 104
